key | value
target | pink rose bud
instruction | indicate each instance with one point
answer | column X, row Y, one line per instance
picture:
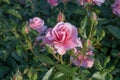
column 60, row 17
column 37, row 24
column 116, row 7
column 98, row 2
column 88, row 43
column 53, row 2
column 63, row 37
column 95, row 16
column 26, row 30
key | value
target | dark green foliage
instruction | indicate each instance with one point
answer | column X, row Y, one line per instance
column 19, row 60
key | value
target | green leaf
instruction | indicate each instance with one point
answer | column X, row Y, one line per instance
column 108, row 70
column 11, row 62
column 18, row 75
column 26, row 70
column 6, row 1
column 48, row 74
column 84, row 23
column 35, row 76
column 65, row 69
column 94, row 32
column 3, row 71
column 14, row 13
column 106, row 61
column 98, row 65
column 102, row 35
column 114, row 30
column 84, row 74
column 109, row 77
column 45, row 59
column 31, row 72
column 75, row 78
column 16, row 57
column 99, row 75
column 58, row 75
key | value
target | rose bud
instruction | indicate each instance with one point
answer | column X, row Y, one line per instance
column 60, row 17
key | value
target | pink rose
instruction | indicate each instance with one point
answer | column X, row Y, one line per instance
column 116, row 7
column 53, row 2
column 37, row 24
column 98, row 2
column 63, row 36
column 87, row 60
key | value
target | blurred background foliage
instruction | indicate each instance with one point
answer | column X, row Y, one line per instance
column 20, row 61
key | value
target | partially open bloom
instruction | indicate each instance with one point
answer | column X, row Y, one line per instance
column 53, row 2
column 62, row 37
column 84, row 61
column 116, row 7
column 98, row 2
column 37, row 24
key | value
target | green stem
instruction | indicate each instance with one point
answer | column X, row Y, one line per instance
column 61, row 59
column 91, row 28
column 55, row 57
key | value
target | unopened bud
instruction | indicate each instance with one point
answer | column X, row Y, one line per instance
column 88, row 43
column 94, row 16
column 60, row 17
column 26, row 30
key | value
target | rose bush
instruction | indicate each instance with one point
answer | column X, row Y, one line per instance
column 68, row 40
